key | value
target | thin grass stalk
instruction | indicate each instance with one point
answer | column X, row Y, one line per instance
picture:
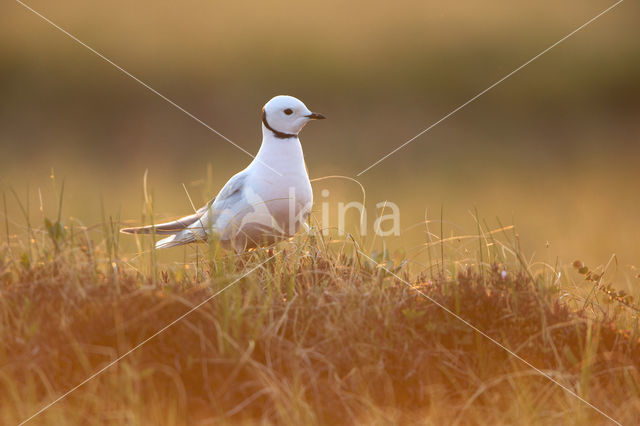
column 6, row 219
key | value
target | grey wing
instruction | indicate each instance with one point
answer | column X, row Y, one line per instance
column 195, row 226
column 228, row 200
column 230, row 191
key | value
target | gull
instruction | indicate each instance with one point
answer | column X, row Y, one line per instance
column 266, row 202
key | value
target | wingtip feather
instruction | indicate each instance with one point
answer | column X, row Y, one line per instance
column 167, row 242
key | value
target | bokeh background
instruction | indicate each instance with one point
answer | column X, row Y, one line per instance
column 553, row 150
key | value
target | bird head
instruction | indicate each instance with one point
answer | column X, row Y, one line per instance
column 285, row 116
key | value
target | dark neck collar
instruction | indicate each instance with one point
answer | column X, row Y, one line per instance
column 279, row 135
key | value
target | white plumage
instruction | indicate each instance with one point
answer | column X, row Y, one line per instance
column 263, row 203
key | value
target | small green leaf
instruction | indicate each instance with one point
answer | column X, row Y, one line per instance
column 25, row 261
column 412, row 314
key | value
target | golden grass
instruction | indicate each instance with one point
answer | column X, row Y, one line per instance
column 320, row 335
column 316, row 335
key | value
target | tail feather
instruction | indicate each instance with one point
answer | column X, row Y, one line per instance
column 178, row 230
column 184, row 237
column 166, row 228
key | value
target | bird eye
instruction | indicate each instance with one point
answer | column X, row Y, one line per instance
column 288, row 111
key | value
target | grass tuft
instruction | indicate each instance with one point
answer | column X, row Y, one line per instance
column 315, row 335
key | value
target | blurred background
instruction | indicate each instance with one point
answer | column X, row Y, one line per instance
column 553, row 150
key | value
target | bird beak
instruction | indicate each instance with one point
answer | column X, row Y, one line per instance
column 315, row 116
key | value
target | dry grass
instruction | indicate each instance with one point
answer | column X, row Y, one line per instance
column 316, row 335
column 319, row 335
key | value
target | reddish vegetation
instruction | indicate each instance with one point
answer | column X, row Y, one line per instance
column 312, row 337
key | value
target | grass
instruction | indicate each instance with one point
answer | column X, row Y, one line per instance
column 316, row 333
column 319, row 334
